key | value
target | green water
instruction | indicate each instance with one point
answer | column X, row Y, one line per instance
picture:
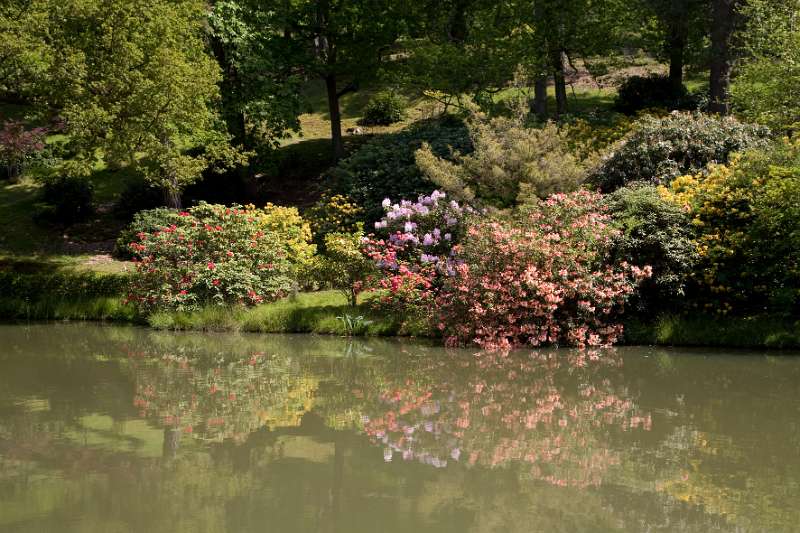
column 121, row 429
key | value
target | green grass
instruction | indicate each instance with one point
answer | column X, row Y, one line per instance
column 99, row 308
column 702, row 330
column 315, row 312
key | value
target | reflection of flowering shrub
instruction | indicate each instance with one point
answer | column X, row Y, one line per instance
column 542, row 278
column 541, row 410
column 227, row 401
column 211, row 254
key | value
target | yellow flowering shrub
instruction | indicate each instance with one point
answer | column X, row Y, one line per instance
column 746, row 218
column 293, row 229
column 334, row 214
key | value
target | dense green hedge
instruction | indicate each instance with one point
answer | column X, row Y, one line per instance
column 79, row 285
column 64, row 296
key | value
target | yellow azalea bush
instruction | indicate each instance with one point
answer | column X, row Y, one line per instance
column 747, row 229
column 334, row 214
column 291, row 227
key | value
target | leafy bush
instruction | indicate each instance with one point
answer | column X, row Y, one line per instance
column 383, row 109
column 540, row 277
column 510, row 161
column 658, row 233
column 212, row 255
column 138, row 195
column 148, row 221
column 661, row 149
column 343, row 266
column 385, row 167
column 650, row 92
column 748, row 230
column 69, row 199
column 334, row 214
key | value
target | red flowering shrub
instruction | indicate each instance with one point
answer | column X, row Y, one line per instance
column 541, row 277
column 211, row 254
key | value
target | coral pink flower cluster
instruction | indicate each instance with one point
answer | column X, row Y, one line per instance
column 543, row 278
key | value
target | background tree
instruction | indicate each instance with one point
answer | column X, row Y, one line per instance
column 260, row 90
column 681, row 24
column 766, row 88
column 133, row 84
column 344, row 43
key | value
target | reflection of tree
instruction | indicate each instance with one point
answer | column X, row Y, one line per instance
column 545, row 410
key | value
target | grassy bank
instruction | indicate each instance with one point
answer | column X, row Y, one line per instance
column 324, row 312
column 90, row 296
column 729, row 332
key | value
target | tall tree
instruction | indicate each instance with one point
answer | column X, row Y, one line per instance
column 343, row 43
column 260, row 88
column 561, row 31
column 461, row 47
column 133, row 84
column 680, row 23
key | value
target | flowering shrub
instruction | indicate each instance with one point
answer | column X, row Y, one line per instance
column 18, row 145
column 290, row 227
column 736, row 209
column 148, row 221
column 334, row 214
column 542, row 277
column 414, row 248
column 211, row 255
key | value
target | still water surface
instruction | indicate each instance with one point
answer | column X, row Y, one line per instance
column 106, row 429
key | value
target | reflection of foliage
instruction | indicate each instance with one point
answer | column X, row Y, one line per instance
column 226, row 400
column 541, row 409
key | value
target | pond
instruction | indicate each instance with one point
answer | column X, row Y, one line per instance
column 107, row 429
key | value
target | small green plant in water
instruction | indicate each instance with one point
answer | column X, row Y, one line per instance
column 353, row 324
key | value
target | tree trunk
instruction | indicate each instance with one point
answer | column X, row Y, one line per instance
column 677, row 47
column 540, row 97
column 723, row 15
column 336, row 117
column 557, row 57
column 457, row 25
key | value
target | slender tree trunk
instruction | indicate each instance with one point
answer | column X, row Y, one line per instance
column 336, row 116
column 540, row 97
column 723, row 15
column 677, row 48
column 557, row 57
